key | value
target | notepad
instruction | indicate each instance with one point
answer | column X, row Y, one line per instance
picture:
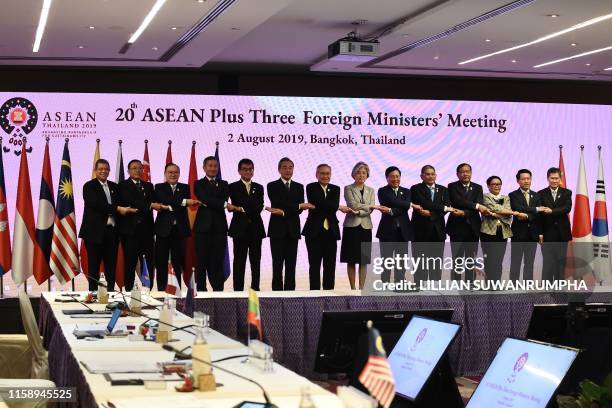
column 119, row 366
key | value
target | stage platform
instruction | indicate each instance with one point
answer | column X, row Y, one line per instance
column 291, row 320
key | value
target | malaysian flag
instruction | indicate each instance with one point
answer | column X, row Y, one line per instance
column 64, row 249
column 376, row 375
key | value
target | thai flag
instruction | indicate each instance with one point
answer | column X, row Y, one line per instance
column 5, row 233
column 582, row 253
column 44, row 222
column 601, row 240
column 24, row 238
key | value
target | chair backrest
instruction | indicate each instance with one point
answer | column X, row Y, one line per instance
column 40, row 364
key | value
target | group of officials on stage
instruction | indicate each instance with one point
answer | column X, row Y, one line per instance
column 123, row 213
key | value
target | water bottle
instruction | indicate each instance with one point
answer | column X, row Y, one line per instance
column 199, row 350
column 135, row 302
column 306, row 401
column 102, row 290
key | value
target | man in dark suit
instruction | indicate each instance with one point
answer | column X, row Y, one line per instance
column 246, row 229
column 99, row 225
column 395, row 229
column 171, row 224
column 556, row 231
column 210, row 225
column 321, row 228
column 463, row 226
column 429, row 224
column 525, row 226
column 137, row 229
column 286, row 204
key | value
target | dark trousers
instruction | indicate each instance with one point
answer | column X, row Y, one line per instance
column 134, row 248
column 432, row 252
column 522, row 254
column 210, row 247
column 493, row 249
column 173, row 247
column 107, row 252
column 284, row 253
column 242, row 248
column 388, row 249
column 463, row 249
column 554, row 256
column 322, row 248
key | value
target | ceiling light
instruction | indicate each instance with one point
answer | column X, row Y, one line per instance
column 155, row 48
column 573, row 44
column 552, row 15
column 588, row 64
column 436, row 57
column 514, row 61
column 200, row 1
column 573, row 56
column 92, row 27
column 541, row 39
column 42, row 22
column 81, row 47
column 487, row 40
column 608, row 69
column 173, row 28
column 147, row 20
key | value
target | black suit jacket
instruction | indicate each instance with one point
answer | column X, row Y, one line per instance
column 131, row 196
column 247, row 224
column 211, row 216
column 97, row 210
column 424, row 227
column 556, row 225
column 287, row 225
column 460, row 228
column 327, row 206
column 525, row 230
column 399, row 218
column 165, row 218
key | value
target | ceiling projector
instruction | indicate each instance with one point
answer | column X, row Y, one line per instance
column 352, row 48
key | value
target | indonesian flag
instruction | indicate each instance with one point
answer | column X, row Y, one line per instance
column 24, row 238
column 173, row 286
column 190, row 251
column 44, row 222
column 169, row 152
column 146, row 167
column 64, row 249
column 120, row 266
column 5, row 233
column 83, row 248
column 582, row 252
column 601, row 240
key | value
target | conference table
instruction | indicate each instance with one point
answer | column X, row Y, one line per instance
column 291, row 320
column 70, row 361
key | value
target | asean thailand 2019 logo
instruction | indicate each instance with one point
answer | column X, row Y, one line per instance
column 18, row 117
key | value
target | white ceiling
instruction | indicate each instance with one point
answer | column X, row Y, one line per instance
column 282, row 33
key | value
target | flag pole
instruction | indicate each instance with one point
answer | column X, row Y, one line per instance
column 2, row 275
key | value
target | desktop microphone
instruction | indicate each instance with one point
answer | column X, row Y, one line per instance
column 87, row 311
column 182, row 355
column 120, row 291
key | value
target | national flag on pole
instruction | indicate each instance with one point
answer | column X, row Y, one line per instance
column 83, row 248
column 562, row 167
column 376, row 375
column 169, row 152
column 254, row 312
column 191, row 294
column 44, row 221
column 64, row 251
column 601, row 240
column 226, row 260
column 144, row 273
column 581, row 249
column 5, row 233
column 24, row 238
column 146, row 167
column 173, row 287
column 120, row 265
column 190, row 259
